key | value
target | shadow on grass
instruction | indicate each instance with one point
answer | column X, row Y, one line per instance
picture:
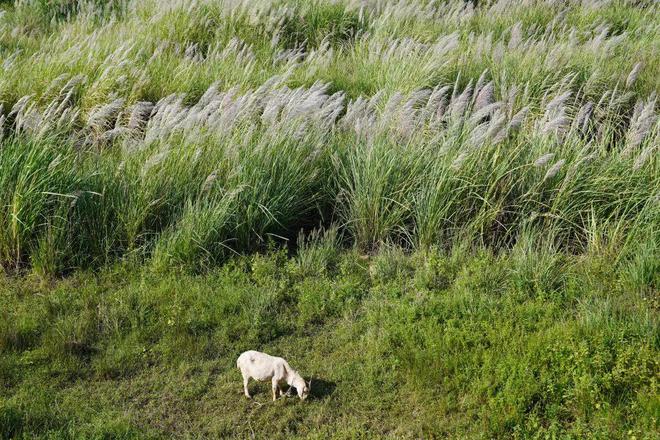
column 322, row 388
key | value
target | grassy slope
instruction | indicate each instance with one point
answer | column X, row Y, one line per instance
column 467, row 345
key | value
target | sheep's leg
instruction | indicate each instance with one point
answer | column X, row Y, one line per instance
column 279, row 388
column 275, row 386
column 245, row 386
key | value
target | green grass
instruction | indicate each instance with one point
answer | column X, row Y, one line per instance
column 447, row 212
column 529, row 344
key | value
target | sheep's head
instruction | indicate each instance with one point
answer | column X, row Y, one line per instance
column 303, row 388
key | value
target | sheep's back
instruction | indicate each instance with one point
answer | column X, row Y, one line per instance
column 260, row 366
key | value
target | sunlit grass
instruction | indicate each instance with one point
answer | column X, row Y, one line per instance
column 447, row 212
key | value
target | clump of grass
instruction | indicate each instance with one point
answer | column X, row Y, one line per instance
column 39, row 180
column 318, row 252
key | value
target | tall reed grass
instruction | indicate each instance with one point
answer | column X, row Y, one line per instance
column 208, row 128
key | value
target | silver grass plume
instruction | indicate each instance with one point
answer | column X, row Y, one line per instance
column 54, row 84
column 197, row 155
column 20, row 105
column 458, row 162
column 543, row 160
column 479, row 134
column 557, row 124
column 603, row 98
column 209, row 181
column 518, row 119
column 209, row 96
column 639, row 106
column 582, row 118
column 66, row 93
column 153, row 161
column 140, row 113
column 554, row 169
column 640, row 127
column 454, row 90
column 485, row 96
column 487, row 110
column 74, row 198
column 644, row 156
column 557, row 103
column 459, row 105
column 435, row 96
column 619, row 99
column 111, row 135
column 516, row 36
column 55, row 162
column 437, row 99
column 510, row 98
column 480, row 82
column 103, row 117
column 121, row 167
column 496, row 127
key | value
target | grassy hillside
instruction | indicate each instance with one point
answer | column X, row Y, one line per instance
column 448, row 212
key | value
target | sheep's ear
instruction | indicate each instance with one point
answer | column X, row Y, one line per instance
column 309, row 384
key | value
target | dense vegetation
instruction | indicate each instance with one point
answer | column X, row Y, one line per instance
column 447, row 211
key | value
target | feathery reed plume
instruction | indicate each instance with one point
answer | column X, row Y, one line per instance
column 103, row 117
column 543, row 160
column 644, row 156
column 556, row 125
column 637, row 109
column 485, row 111
column 140, row 113
column 479, row 134
column 436, row 98
column 459, row 105
column 20, row 105
column 582, row 118
column 634, row 73
column 480, row 82
column 557, row 103
column 113, row 134
column 153, row 161
column 518, row 119
column 485, row 97
column 516, row 36
column 554, row 169
column 74, row 198
column 640, row 127
column 458, row 162
column 55, row 162
column 496, row 126
column 209, row 181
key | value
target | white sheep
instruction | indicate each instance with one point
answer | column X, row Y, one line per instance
column 263, row 367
